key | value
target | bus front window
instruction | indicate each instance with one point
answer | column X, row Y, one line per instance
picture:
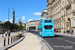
column 48, row 27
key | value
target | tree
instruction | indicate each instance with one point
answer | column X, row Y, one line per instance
column 14, row 26
column 7, row 25
column 1, row 24
column 20, row 25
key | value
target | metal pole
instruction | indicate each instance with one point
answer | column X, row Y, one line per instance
column 8, row 17
column 70, row 26
column 64, row 21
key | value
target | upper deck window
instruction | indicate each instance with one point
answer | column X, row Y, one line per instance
column 48, row 21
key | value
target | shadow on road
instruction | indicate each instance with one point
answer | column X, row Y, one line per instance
column 53, row 37
column 37, row 33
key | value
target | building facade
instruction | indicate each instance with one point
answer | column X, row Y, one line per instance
column 63, row 14
column 32, row 25
column 44, row 14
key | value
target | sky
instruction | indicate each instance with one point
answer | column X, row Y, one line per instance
column 26, row 10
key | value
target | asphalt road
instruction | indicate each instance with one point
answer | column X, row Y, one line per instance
column 59, row 42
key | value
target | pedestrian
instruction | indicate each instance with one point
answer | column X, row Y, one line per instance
column 68, row 31
column 64, row 31
column 72, row 31
column 6, row 33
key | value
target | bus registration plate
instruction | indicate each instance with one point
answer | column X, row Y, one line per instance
column 48, row 35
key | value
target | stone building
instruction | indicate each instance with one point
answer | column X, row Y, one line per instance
column 32, row 25
column 63, row 13
column 44, row 14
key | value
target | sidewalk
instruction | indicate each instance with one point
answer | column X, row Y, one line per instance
column 66, row 34
column 31, row 42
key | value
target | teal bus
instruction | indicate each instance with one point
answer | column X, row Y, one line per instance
column 46, row 27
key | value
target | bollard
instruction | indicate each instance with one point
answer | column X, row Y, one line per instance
column 4, row 40
column 11, row 39
column 8, row 40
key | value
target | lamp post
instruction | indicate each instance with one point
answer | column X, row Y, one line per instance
column 64, row 21
column 8, row 17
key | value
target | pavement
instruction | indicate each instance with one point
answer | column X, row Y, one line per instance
column 31, row 42
column 66, row 34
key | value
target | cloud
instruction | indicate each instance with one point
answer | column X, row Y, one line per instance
column 11, row 20
column 37, row 13
column 6, row 19
column 38, row 19
column 23, row 18
column 30, row 20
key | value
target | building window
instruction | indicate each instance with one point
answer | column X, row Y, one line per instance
column 74, row 22
column 74, row 15
column 62, row 2
column 74, row 6
column 63, row 25
column 68, row 9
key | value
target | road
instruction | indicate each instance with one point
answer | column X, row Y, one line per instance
column 59, row 42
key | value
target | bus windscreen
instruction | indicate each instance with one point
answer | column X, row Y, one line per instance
column 48, row 27
column 48, row 21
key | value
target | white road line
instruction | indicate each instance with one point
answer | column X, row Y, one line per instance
column 69, row 41
column 59, row 38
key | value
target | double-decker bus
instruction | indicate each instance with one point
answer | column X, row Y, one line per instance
column 46, row 27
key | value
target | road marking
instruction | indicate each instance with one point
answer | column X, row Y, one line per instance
column 59, row 38
column 69, row 41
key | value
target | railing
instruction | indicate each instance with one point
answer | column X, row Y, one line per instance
column 12, row 39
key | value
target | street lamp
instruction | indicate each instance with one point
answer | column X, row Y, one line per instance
column 64, row 21
column 8, row 16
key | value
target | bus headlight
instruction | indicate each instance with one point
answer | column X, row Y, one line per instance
column 43, row 29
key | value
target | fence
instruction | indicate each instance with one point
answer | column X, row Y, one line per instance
column 11, row 39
